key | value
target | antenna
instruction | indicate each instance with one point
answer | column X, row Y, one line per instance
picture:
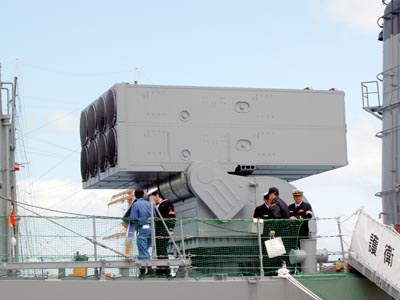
column 16, row 68
column 136, row 77
column 7, row 179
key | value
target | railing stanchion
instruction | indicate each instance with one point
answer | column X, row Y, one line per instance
column 183, row 247
column 260, row 254
column 153, row 232
column 94, row 238
column 341, row 242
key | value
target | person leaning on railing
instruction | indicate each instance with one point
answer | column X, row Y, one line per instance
column 273, row 208
column 165, row 211
column 300, row 210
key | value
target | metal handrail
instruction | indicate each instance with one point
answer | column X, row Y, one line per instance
column 255, row 262
column 384, row 73
column 375, row 110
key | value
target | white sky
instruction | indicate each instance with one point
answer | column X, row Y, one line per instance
column 71, row 52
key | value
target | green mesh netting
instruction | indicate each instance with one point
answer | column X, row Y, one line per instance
column 214, row 246
column 232, row 246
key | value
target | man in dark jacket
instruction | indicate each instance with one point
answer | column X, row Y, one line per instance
column 300, row 210
column 166, row 213
column 273, row 208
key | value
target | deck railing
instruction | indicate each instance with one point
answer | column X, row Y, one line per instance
column 94, row 247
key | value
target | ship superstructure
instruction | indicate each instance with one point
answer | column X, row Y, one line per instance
column 214, row 152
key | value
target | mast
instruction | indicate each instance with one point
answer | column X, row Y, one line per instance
column 388, row 111
column 390, row 116
column 7, row 172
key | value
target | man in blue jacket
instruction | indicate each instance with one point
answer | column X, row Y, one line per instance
column 140, row 216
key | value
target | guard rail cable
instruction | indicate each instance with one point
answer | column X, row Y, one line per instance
column 284, row 273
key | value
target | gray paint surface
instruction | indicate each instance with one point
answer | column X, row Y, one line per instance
column 235, row 289
column 390, row 117
column 272, row 289
column 162, row 130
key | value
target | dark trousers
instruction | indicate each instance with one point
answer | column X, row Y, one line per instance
column 162, row 239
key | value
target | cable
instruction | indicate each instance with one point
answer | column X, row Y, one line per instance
column 51, row 122
column 76, row 74
column 284, row 273
column 93, row 241
column 56, row 165
column 49, row 209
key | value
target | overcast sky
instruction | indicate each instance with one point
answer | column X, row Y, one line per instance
column 70, row 52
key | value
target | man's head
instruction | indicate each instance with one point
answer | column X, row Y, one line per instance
column 273, row 192
column 157, row 196
column 297, row 196
column 139, row 193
